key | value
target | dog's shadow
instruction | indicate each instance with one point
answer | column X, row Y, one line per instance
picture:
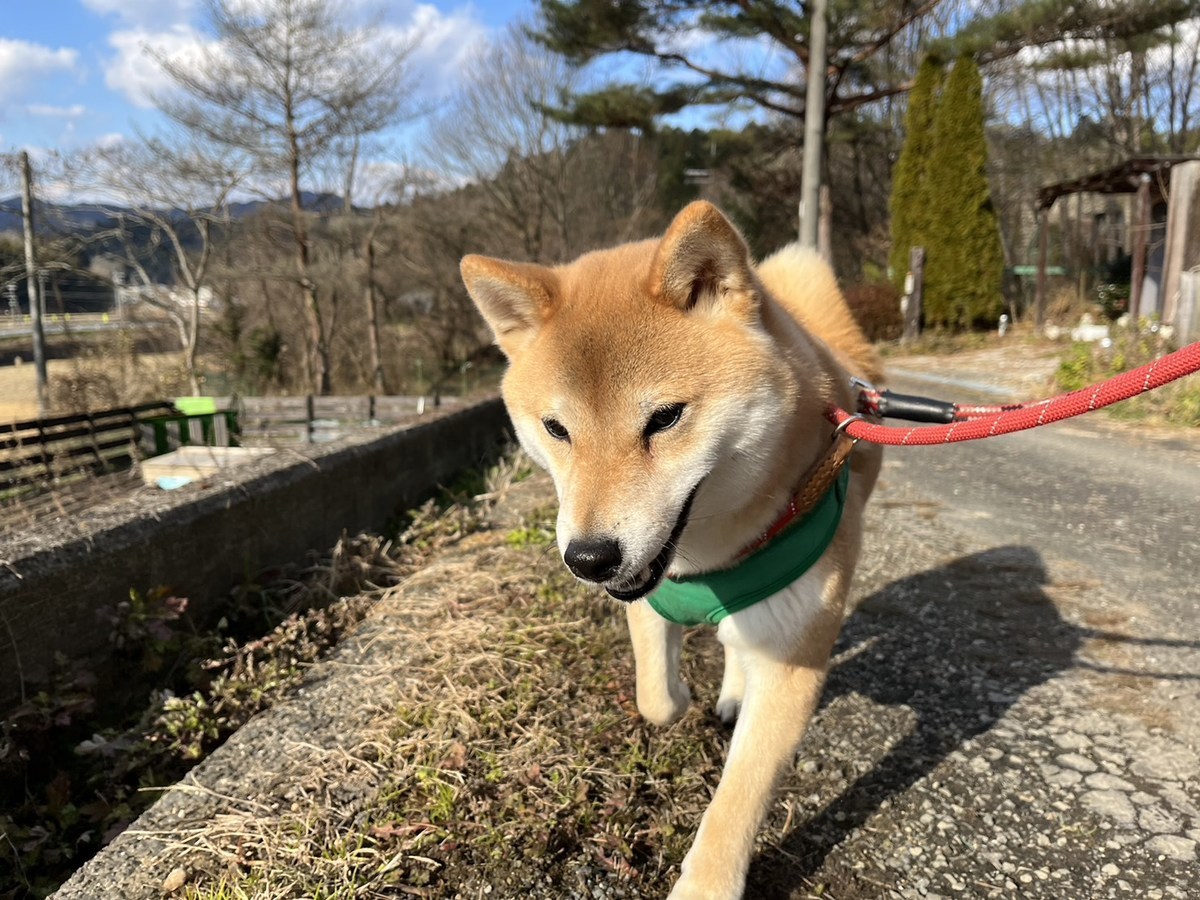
column 957, row 646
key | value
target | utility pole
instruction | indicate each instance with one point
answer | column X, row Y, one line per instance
column 814, row 127
column 31, row 283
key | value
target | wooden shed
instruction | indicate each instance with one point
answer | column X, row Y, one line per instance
column 1170, row 183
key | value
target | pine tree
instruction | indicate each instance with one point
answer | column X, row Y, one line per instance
column 867, row 46
column 964, row 263
column 908, row 206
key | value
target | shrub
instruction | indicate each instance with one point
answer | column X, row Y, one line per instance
column 1113, row 299
column 1114, row 287
column 1177, row 403
column 876, row 308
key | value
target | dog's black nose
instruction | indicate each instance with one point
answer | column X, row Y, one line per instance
column 596, row 559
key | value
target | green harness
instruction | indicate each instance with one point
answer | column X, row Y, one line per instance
column 712, row 596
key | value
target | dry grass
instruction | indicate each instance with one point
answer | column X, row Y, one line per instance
column 514, row 759
column 94, row 382
column 1066, row 305
column 24, row 510
column 18, row 388
column 180, row 691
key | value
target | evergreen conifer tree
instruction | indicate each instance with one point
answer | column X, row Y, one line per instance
column 865, row 41
column 964, row 263
column 908, row 204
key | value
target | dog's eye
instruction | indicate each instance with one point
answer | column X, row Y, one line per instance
column 663, row 418
column 555, row 429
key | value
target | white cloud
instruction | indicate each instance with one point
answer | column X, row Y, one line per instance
column 441, row 44
column 152, row 14
column 56, row 112
column 444, row 43
column 22, row 64
column 134, row 72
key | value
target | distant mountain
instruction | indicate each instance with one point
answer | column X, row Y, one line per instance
column 54, row 217
column 313, row 202
column 59, row 218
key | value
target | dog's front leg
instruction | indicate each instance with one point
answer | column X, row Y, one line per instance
column 733, row 686
column 780, row 697
column 662, row 697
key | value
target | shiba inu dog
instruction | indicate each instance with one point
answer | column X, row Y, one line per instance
column 677, row 393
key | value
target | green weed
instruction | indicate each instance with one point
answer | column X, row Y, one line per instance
column 1085, row 364
column 537, row 529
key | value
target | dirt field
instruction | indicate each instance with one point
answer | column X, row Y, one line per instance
column 152, row 374
column 18, row 390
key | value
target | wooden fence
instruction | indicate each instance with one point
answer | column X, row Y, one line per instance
column 313, row 419
column 42, row 451
column 49, row 449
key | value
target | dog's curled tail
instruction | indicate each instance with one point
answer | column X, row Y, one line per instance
column 803, row 281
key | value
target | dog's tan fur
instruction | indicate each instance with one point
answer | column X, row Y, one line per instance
column 754, row 355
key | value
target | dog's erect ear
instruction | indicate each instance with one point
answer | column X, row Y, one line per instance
column 514, row 298
column 702, row 262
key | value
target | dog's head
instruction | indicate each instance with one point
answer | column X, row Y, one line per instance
column 643, row 379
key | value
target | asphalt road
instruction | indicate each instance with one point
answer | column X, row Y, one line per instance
column 1120, row 501
column 1014, row 711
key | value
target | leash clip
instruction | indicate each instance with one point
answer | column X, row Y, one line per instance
column 844, row 424
column 868, row 397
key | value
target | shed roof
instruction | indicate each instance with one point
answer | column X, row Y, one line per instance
column 1122, row 178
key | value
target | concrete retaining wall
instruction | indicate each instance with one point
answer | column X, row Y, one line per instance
column 206, row 538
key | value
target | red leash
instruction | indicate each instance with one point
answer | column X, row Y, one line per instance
column 971, row 423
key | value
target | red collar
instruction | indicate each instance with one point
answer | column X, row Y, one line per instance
column 813, row 486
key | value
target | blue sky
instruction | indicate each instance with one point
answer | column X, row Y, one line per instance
column 74, row 72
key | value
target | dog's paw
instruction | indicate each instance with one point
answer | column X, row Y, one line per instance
column 695, row 889
column 663, row 707
column 727, row 708
column 705, row 875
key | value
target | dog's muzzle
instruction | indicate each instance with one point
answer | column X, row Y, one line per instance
column 642, row 583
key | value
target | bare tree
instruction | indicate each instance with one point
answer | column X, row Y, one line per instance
column 1140, row 93
column 544, row 188
column 1172, row 88
column 283, row 83
column 171, row 197
column 438, row 232
column 1081, row 105
column 364, row 234
column 496, row 132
